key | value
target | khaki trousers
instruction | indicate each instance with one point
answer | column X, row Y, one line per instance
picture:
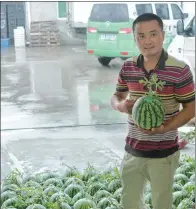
column 135, row 171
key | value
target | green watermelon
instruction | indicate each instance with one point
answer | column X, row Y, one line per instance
column 13, row 202
column 73, row 189
column 100, row 194
column 148, row 198
column 32, row 184
column 93, row 188
column 181, row 178
column 147, row 188
column 60, row 196
column 7, row 195
column 28, row 178
column 112, row 207
column 177, row 187
column 49, row 191
column 148, row 206
column 53, row 181
column 79, row 196
column 192, row 178
column 114, row 185
column 41, row 177
column 186, row 169
column 84, row 204
column 36, row 206
column 65, row 206
column 189, row 187
column 10, row 187
column 70, row 172
column 73, row 180
column 88, row 173
column 148, row 111
column 15, row 177
column 107, row 202
column 117, row 194
column 185, row 204
column 179, row 196
column 94, row 179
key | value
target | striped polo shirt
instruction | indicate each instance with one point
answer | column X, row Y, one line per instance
column 178, row 88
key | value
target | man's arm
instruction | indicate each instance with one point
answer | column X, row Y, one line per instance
column 182, row 118
column 117, row 98
column 120, row 103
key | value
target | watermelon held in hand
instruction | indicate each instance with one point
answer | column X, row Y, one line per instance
column 148, row 111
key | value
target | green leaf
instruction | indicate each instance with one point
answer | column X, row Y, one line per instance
column 142, row 82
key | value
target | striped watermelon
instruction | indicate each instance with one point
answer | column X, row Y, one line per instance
column 53, row 181
column 177, row 187
column 79, row 196
column 148, row 198
column 93, row 188
column 114, row 185
column 101, row 194
column 73, row 189
column 7, row 195
column 192, row 178
column 148, row 111
column 64, row 205
column 49, row 191
column 117, row 194
column 36, row 206
column 33, row 184
column 181, row 178
column 60, row 196
column 179, row 196
column 10, row 187
column 185, row 204
column 107, row 202
column 73, row 180
column 84, row 204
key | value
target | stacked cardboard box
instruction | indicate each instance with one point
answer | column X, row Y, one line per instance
column 44, row 33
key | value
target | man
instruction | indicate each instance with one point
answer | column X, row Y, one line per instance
column 152, row 154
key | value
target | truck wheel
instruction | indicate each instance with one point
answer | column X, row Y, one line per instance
column 104, row 60
column 124, row 58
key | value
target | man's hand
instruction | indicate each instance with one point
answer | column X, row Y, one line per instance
column 126, row 105
column 163, row 128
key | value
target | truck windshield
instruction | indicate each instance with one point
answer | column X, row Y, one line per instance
column 109, row 12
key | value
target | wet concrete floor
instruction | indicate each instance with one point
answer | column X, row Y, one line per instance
column 55, row 110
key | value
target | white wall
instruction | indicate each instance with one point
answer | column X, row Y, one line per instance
column 43, row 11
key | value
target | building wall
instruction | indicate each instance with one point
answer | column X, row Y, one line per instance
column 48, row 11
column 43, row 11
column 12, row 16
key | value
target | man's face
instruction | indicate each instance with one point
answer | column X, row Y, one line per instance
column 149, row 37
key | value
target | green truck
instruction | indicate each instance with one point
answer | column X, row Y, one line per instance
column 110, row 35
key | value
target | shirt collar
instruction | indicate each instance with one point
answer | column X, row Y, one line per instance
column 160, row 64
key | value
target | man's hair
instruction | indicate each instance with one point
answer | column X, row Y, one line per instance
column 148, row 17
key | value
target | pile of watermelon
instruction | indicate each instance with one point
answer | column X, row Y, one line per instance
column 89, row 189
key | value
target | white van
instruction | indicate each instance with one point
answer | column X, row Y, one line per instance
column 169, row 12
column 183, row 45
